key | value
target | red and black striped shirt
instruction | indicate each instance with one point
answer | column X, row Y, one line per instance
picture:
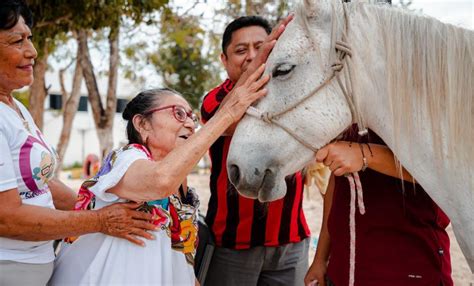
column 238, row 222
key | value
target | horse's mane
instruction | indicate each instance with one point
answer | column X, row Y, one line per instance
column 437, row 61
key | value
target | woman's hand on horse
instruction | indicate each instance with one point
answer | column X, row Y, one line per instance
column 241, row 97
column 341, row 157
column 124, row 221
column 265, row 49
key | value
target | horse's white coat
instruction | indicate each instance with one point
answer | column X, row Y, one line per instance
column 413, row 80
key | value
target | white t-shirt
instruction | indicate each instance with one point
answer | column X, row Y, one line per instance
column 27, row 163
column 98, row 259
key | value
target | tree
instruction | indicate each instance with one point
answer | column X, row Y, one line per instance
column 272, row 10
column 188, row 57
column 70, row 102
column 82, row 17
column 57, row 21
column 180, row 58
column 107, row 15
column 50, row 19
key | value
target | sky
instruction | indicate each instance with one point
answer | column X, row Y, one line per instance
column 457, row 12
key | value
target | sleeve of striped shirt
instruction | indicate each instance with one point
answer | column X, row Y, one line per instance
column 213, row 99
column 209, row 106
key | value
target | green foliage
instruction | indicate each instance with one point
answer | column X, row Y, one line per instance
column 75, row 165
column 138, row 42
column 272, row 10
column 188, row 55
column 54, row 18
column 180, row 58
column 22, row 96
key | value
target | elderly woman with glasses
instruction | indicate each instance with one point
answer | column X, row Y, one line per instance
column 163, row 148
column 35, row 208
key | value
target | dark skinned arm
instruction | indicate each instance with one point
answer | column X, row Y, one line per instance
column 64, row 198
column 33, row 223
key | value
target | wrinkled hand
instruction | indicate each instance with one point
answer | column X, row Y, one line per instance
column 341, row 157
column 240, row 98
column 316, row 274
column 122, row 220
column 264, row 50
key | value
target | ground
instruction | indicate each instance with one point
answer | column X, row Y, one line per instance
column 312, row 206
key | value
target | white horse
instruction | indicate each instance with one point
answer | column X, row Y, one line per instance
column 408, row 78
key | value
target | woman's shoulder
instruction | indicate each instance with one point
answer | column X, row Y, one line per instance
column 138, row 148
column 127, row 152
column 117, row 161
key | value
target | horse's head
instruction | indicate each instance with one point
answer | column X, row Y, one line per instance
column 263, row 153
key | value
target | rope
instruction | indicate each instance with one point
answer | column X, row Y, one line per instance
column 265, row 116
column 356, row 194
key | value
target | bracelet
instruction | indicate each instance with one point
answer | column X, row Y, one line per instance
column 365, row 164
column 370, row 149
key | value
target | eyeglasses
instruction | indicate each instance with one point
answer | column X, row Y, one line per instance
column 179, row 113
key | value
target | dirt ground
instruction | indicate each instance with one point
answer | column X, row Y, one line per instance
column 312, row 206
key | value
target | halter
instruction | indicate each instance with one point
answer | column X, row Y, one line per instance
column 343, row 58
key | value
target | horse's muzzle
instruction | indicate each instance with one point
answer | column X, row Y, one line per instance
column 255, row 185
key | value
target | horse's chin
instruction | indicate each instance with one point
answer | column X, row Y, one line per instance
column 273, row 194
column 270, row 191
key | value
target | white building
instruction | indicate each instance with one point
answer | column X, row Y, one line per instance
column 83, row 140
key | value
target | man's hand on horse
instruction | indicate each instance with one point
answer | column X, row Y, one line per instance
column 265, row 49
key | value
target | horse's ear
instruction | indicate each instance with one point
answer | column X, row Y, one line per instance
column 316, row 8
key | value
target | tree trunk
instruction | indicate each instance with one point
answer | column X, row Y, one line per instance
column 103, row 118
column 70, row 103
column 38, row 89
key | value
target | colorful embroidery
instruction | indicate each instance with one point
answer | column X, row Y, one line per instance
column 162, row 217
column 179, row 220
column 184, row 228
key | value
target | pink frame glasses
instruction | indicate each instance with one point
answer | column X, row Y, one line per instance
column 179, row 113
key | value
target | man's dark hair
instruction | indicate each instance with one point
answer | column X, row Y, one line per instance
column 10, row 12
column 242, row 22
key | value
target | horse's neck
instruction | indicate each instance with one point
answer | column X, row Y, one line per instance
column 412, row 146
column 416, row 133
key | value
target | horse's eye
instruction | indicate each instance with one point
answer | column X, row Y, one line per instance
column 282, row 69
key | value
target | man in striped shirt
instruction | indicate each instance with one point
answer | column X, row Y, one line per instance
column 256, row 243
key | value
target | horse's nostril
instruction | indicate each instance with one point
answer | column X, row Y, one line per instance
column 234, row 175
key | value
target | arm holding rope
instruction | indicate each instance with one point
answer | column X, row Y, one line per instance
column 347, row 157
